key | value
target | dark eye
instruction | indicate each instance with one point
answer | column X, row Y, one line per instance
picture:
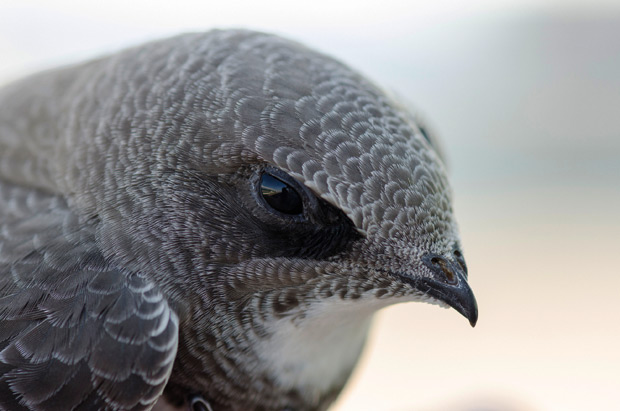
column 280, row 195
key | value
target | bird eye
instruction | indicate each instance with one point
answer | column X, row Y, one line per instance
column 280, row 196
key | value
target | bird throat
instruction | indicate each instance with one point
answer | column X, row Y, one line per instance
column 315, row 353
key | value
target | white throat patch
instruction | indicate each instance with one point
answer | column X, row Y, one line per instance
column 316, row 352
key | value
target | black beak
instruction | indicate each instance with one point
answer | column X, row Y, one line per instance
column 448, row 284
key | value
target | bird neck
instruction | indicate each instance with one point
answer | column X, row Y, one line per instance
column 267, row 358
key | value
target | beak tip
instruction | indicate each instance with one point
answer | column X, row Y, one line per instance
column 471, row 312
column 465, row 303
column 473, row 320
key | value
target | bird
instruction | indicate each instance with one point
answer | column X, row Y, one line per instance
column 210, row 222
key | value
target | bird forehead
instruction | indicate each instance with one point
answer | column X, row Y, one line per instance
column 385, row 188
column 334, row 131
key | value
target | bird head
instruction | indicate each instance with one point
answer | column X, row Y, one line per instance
column 308, row 163
column 243, row 154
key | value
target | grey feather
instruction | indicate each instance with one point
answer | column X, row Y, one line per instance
column 76, row 331
column 139, row 259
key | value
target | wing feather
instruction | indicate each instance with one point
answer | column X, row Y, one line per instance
column 75, row 331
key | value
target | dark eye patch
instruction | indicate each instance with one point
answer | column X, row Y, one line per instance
column 289, row 219
column 280, row 196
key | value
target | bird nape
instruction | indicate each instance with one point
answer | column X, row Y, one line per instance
column 209, row 222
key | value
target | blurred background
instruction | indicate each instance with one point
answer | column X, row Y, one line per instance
column 526, row 97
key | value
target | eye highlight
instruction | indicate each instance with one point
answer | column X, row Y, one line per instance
column 280, row 196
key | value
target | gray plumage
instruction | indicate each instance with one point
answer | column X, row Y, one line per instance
column 141, row 258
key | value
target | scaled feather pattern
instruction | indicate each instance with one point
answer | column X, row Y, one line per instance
column 210, row 222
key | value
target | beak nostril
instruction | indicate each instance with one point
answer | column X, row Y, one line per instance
column 442, row 265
